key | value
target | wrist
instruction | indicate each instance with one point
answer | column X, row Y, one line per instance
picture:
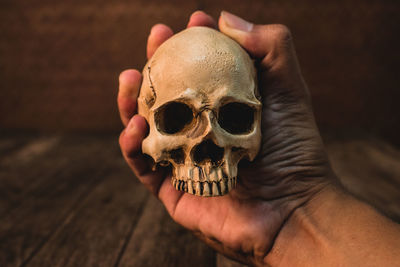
column 303, row 238
column 335, row 229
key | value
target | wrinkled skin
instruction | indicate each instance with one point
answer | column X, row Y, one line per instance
column 289, row 171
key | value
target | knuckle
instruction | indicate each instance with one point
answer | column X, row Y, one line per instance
column 121, row 139
column 280, row 33
column 250, row 42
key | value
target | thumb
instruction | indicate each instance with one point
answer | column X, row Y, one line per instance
column 268, row 42
column 273, row 49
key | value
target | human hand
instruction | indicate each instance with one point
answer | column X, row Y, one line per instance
column 289, row 171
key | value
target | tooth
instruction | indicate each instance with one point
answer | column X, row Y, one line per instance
column 229, row 184
column 197, row 189
column 201, row 173
column 196, row 174
column 215, row 191
column 220, row 176
column 226, row 170
column 209, row 168
column 189, row 173
column 218, row 185
column 222, row 184
column 206, row 189
column 206, row 174
column 213, row 175
column 173, row 181
column 190, row 187
column 234, row 172
column 181, row 184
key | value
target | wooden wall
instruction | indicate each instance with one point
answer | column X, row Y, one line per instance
column 60, row 60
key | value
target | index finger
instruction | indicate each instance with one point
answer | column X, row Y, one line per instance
column 158, row 35
column 160, row 32
column 129, row 85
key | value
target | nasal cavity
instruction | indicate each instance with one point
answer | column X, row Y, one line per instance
column 208, row 151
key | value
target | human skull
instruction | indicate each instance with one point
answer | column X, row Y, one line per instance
column 199, row 96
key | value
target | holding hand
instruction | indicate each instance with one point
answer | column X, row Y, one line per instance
column 290, row 172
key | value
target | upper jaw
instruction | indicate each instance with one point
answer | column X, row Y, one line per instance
column 205, row 188
column 204, row 180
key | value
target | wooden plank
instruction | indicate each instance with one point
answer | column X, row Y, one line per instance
column 70, row 171
column 24, row 163
column 370, row 169
column 9, row 142
column 81, row 204
column 159, row 241
column 97, row 230
column 223, row 261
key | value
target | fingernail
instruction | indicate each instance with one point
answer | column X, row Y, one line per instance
column 235, row 22
column 197, row 12
column 152, row 28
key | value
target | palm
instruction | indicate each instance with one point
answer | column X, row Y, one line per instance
column 216, row 220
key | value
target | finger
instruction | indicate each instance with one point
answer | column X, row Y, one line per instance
column 129, row 85
column 199, row 18
column 260, row 41
column 170, row 196
column 131, row 146
column 158, row 34
column 271, row 45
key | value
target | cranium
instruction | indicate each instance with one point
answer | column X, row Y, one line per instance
column 199, row 96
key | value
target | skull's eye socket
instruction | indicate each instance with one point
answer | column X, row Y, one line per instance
column 236, row 118
column 173, row 117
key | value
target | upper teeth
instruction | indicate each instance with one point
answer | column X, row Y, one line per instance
column 205, row 188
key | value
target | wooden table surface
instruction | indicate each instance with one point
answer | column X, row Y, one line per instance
column 72, row 201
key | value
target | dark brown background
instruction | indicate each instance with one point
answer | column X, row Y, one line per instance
column 60, row 60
